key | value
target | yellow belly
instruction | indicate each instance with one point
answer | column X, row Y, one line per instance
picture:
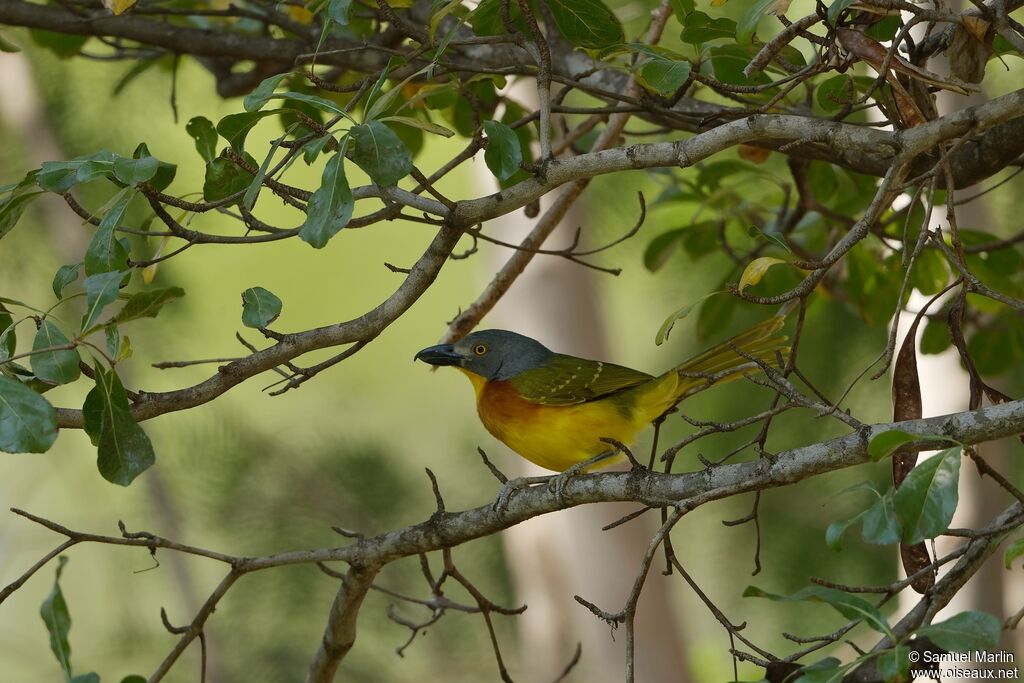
column 558, row 437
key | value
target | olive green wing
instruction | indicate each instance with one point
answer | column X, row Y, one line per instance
column 567, row 380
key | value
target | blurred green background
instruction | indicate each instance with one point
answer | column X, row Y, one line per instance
column 251, row 474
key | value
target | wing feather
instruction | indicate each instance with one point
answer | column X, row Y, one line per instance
column 567, row 380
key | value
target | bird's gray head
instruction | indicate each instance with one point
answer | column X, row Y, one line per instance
column 492, row 354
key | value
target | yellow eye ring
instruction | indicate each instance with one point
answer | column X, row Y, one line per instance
column 480, row 349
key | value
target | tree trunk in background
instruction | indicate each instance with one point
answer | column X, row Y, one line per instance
column 557, row 556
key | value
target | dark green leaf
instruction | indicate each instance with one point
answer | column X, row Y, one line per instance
column 726, row 63
column 700, row 28
column 339, row 11
column 64, row 276
column 881, row 526
column 100, row 290
column 91, row 677
column 14, row 204
column 225, row 178
column 312, row 149
column 235, row 127
column 55, row 366
column 930, row 273
column 850, row 606
column 666, row 327
column 134, row 679
column 205, row 135
column 885, row 30
column 661, row 247
column 834, row 532
column 8, row 338
column 124, row 450
column 836, row 92
column 884, row 443
column 1013, row 551
column 503, row 154
column 681, row 8
column 965, row 631
column 991, row 350
column 165, row 172
column 255, row 100
column 935, row 338
column 57, row 618
column 586, row 23
column 378, row 151
column 28, row 423
column 64, row 45
column 662, row 71
column 836, row 8
column 135, row 171
column 105, row 252
column 747, row 25
column 259, row 307
column 330, row 207
column 486, row 19
column 827, row 670
column 927, row 498
column 894, row 664
column 61, row 176
column 147, row 304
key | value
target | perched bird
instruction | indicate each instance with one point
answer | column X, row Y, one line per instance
column 554, row 409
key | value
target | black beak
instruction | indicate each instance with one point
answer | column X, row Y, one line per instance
column 442, row 354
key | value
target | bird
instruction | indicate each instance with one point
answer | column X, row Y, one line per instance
column 554, row 409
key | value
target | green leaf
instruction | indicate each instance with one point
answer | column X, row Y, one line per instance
column 19, row 197
column 312, row 149
column 225, row 178
column 930, row 273
column 8, row 338
column 318, row 102
column 965, row 631
column 661, row 247
column 57, row 618
column 54, row 367
column 28, row 423
column 205, row 135
column 935, row 338
column 260, row 307
column 586, row 23
column 726, row 63
column 100, row 290
column 681, row 8
column 105, row 252
column 836, row 8
column 884, row 443
column 828, row 670
column 124, row 450
column 850, row 606
column 8, row 46
column 1015, row 550
column 113, row 337
column 486, row 18
column 64, row 276
column 927, row 498
column 894, row 664
column 64, row 45
column 91, row 677
column 235, row 127
column 339, row 11
column 881, row 526
column 503, row 154
column 147, row 304
column 679, row 314
column 834, row 532
column 135, row 171
column 330, row 207
column 700, row 28
column 747, row 25
column 249, row 198
column 134, row 679
column 255, row 100
column 378, row 151
column 660, row 70
column 165, row 172
column 434, row 128
column 885, row 30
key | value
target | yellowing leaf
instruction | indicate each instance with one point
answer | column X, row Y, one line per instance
column 300, row 14
column 118, row 6
column 756, row 269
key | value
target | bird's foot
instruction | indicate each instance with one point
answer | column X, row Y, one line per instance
column 558, row 482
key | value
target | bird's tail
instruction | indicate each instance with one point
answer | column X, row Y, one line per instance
column 722, row 363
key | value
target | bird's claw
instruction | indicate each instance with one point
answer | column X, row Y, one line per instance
column 510, row 487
